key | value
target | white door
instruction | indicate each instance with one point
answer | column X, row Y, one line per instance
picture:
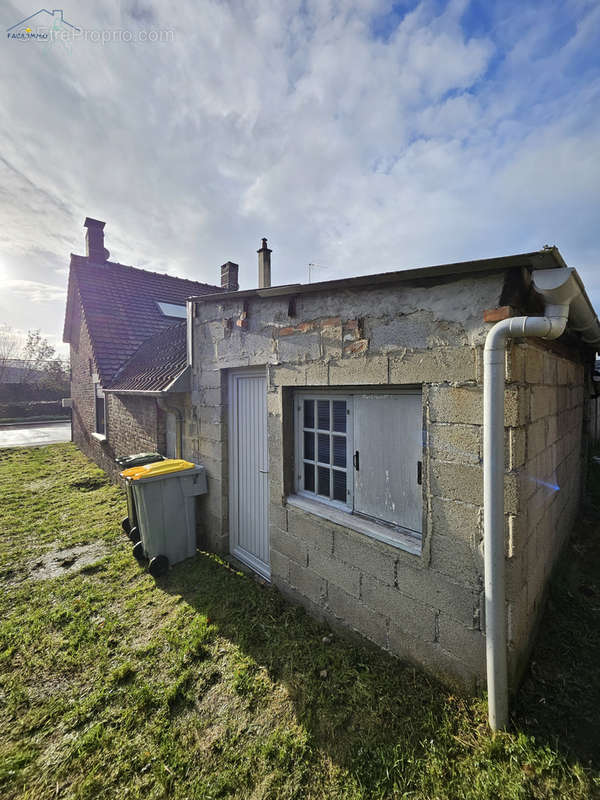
column 249, row 469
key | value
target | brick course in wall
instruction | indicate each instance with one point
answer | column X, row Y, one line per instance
column 426, row 607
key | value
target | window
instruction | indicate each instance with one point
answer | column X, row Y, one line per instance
column 361, row 453
column 326, row 448
column 172, row 310
column 100, row 410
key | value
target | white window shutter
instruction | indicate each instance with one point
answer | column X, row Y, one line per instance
column 388, row 439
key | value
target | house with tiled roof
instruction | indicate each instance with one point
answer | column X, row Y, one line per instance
column 126, row 328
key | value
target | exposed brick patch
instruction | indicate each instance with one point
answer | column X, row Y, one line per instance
column 310, row 325
column 356, row 348
column 498, row 314
column 331, row 322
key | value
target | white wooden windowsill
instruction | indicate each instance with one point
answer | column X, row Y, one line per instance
column 410, row 542
column 99, row 436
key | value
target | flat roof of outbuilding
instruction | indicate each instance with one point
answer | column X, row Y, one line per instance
column 548, row 258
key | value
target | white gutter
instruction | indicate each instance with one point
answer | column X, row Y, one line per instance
column 564, row 297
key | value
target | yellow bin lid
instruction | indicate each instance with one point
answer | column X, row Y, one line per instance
column 157, row 468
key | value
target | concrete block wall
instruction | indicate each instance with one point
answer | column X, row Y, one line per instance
column 426, row 607
column 205, row 442
column 546, row 452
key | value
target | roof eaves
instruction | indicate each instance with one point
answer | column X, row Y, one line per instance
column 549, row 258
column 181, row 382
column 146, row 392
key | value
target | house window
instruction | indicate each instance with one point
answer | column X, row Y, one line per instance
column 326, row 446
column 361, row 453
column 172, row 310
column 100, row 410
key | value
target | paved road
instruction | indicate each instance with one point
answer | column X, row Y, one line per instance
column 36, row 434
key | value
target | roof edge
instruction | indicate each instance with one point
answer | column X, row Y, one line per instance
column 548, row 258
column 77, row 260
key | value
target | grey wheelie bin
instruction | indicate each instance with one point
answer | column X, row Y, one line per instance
column 165, row 494
column 130, row 523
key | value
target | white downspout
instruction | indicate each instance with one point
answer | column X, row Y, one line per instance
column 558, row 288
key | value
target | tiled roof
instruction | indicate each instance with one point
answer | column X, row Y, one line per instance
column 119, row 306
column 157, row 362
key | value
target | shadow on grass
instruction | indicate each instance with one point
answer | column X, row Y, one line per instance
column 372, row 714
column 559, row 699
column 376, row 716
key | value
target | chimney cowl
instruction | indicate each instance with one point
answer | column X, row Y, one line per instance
column 94, row 240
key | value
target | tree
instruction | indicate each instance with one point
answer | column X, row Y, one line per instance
column 37, row 350
column 55, row 375
column 9, row 348
column 43, row 365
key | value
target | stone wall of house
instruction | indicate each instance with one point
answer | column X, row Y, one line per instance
column 546, row 451
column 428, row 606
column 133, row 423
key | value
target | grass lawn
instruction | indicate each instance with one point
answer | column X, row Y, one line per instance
column 206, row 684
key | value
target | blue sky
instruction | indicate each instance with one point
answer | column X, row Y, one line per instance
column 361, row 136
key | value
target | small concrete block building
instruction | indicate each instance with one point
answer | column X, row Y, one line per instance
column 340, row 424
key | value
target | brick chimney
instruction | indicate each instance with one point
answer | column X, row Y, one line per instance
column 229, row 277
column 264, row 266
column 94, row 241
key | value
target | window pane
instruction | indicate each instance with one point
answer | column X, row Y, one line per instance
column 339, row 451
column 100, row 415
column 309, row 477
column 309, row 445
column 324, row 481
column 324, row 448
column 339, row 485
column 339, row 416
column 309, row 413
column 323, row 414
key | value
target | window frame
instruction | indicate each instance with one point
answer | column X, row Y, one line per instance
column 299, row 460
column 99, row 395
column 172, row 310
column 372, row 526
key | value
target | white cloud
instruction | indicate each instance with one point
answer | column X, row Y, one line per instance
column 292, row 120
column 34, row 291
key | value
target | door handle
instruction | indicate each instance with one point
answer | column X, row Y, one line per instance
column 356, row 461
column 263, row 471
column 419, row 473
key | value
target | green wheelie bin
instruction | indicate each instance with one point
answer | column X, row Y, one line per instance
column 130, row 522
column 165, row 501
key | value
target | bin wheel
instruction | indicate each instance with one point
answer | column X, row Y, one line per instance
column 126, row 525
column 134, row 534
column 158, row 566
column 138, row 551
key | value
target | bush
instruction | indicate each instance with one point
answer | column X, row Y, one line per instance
column 33, row 408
